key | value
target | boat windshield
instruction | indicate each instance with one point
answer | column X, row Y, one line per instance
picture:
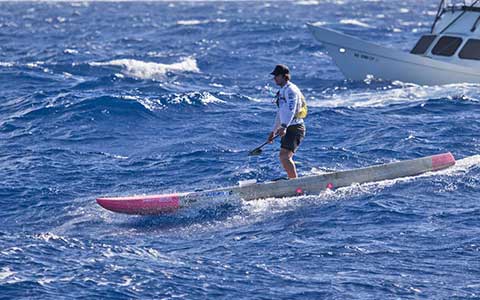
column 471, row 50
column 423, row 44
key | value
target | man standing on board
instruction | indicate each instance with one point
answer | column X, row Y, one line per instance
column 289, row 124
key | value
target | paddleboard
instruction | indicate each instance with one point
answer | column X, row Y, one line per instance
column 307, row 185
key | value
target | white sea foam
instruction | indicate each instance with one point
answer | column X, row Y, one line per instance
column 158, row 54
column 248, row 98
column 218, row 85
column 46, row 280
column 6, row 272
column 48, row 236
column 126, row 281
column 36, row 64
column 138, row 252
column 355, row 22
column 204, row 98
column 6, row 64
column 116, row 156
column 70, row 51
column 397, row 94
column 12, row 250
column 199, row 22
column 307, row 2
column 7, row 276
column 466, row 163
column 317, row 171
column 150, row 104
column 150, row 70
column 209, row 98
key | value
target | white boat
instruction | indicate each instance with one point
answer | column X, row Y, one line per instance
column 308, row 185
column 450, row 53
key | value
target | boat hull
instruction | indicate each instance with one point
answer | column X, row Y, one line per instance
column 358, row 60
column 157, row 204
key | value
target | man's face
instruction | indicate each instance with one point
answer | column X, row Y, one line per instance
column 279, row 79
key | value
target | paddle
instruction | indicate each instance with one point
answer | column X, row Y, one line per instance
column 258, row 150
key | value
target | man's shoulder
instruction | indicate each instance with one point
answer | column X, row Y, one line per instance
column 292, row 89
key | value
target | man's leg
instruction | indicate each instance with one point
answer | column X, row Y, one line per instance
column 287, row 162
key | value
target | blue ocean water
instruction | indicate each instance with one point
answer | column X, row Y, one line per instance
column 125, row 98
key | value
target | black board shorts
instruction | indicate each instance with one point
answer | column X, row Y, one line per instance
column 294, row 136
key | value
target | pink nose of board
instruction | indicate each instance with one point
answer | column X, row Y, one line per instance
column 141, row 204
column 442, row 161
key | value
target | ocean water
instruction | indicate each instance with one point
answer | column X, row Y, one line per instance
column 123, row 98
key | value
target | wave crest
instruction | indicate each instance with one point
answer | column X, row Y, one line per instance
column 191, row 98
column 150, row 70
column 397, row 93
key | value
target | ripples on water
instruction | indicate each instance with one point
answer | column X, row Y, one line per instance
column 129, row 98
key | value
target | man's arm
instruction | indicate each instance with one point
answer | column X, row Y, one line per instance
column 277, row 122
column 276, row 126
column 287, row 112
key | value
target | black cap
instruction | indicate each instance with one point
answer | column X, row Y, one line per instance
column 280, row 69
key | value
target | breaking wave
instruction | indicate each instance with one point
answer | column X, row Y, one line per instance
column 190, row 98
column 149, row 70
column 397, row 93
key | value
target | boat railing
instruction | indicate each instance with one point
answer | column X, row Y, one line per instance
column 445, row 7
column 440, row 11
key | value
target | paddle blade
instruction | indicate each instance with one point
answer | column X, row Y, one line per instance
column 258, row 150
column 255, row 152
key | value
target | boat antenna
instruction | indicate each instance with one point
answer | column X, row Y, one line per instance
column 440, row 9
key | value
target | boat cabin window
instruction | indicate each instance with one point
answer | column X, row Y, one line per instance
column 471, row 50
column 423, row 43
column 447, row 46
